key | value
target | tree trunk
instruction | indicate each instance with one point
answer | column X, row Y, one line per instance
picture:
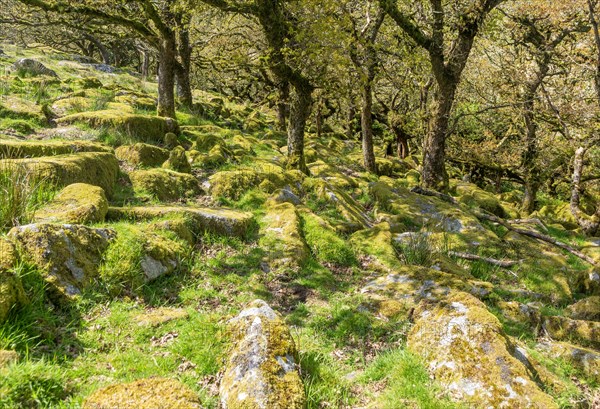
column 183, row 68
column 283, row 107
column 402, row 150
column 300, row 108
column 434, row 145
column 350, row 121
column 166, row 78
column 319, row 119
column 366, row 122
column 531, row 172
column 589, row 224
column 145, row 64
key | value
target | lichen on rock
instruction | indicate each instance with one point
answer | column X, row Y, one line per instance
column 151, row 393
column 78, row 203
column 468, row 354
column 67, row 255
column 261, row 372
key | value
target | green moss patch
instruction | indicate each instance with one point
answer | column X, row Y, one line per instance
column 78, row 203
column 164, row 185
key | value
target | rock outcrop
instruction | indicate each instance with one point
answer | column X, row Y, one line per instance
column 12, row 294
column 467, row 352
column 142, row 155
column 67, row 255
column 261, row 371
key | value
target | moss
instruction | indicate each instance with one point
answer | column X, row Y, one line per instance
column 33, row 149
column 203, row 142
column 94, row 168
column 586, row 309
column 413, row 178
column 138, row 256
column 164, row 185
column 325, row 245
column 521, row 313
column 458, row 338
column 377, row 242
column 214, row 220
column 149, row 393
column 139, row 127
column 78, row 203
column 233, row 184
column 12, row 294
column 20, row 126
column 67, row 255
column 7, row 357
column 178, row 161
column 171, row 140
column 158, row 316
column 282, row 237
column 261, row 369
column 139, row 101
column 471, row 195
column 559, row 214
column 142, row 155
column 390, row 167
column 581, row 331
column 89, row 83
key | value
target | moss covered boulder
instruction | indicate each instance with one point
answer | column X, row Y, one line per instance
column 142, row 155
column 233, row 184
column 261, row 372
column 94, row 168
column 178, row 161
column 586, row 309
column 11, row 149
column 472, row 195
column 139, row 255
column 579, row 331
column 67, row 255
column 78, row 203
column 164, row 184
column 220, row 221
column 152, row 393
column 468, row 354
column 12, row 294
column 144, row 128
column 282, row 237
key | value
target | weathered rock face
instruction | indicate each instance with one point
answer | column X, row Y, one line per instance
column 233, row 184
column 142, row 155
column 586, row 309
column 283, row 237
column 11, row 289
column 165, row 185
column 34, row 68
column 68, row 255
column 78, row 203
column 150, row 393
column 587, row 360
column 178, row 161
column 261, row 372
column 468, row 354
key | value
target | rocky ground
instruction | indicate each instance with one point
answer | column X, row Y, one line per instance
column 156, row 263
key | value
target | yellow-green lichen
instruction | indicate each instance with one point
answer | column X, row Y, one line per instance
column 142, row 155
column 152, row 393
column 164, row 184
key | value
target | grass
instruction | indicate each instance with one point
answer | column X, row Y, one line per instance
column 408, row 384
column 21, row 194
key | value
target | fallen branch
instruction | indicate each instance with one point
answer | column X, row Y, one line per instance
column 529, row 221
column 426, row 192
column 475, row 257
column 538, row 236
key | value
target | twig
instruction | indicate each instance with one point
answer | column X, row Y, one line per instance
column 529, row 221
column 475, row 257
